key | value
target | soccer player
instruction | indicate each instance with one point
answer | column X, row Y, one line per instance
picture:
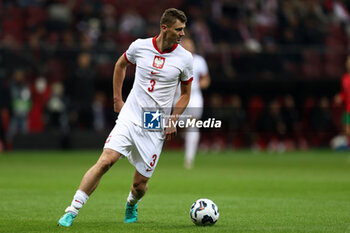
column 344, row 97
column 201, row 80
column 161, row 63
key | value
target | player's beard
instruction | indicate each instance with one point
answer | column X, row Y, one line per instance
column 172, row 39
column 178, row 41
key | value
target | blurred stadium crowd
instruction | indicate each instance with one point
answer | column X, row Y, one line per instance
column 57, row 59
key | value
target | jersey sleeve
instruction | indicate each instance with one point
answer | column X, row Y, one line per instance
column 203, row 66
column 130, row 54
column 187, row 74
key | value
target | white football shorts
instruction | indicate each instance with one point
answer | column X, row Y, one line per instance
column 142, row 147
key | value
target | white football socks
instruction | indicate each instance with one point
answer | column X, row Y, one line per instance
column 79, row 199
column 191, row 145
column 132, row 200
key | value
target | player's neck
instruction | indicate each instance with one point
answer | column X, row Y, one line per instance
column 162, row 44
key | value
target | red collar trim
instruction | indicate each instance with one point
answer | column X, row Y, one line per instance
column 166, row 51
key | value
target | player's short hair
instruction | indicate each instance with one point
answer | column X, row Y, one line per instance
column 170, row 16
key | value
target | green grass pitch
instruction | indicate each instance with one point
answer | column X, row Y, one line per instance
column 291, row 192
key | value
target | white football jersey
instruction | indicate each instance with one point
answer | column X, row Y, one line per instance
column 200, row 68
column 157, row 76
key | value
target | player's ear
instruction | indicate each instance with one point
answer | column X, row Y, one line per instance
column 163, row 27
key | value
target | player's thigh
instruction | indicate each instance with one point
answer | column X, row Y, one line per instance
column 146, row 153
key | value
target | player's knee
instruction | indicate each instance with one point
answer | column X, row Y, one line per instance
column 106, row 161
column 104, row 164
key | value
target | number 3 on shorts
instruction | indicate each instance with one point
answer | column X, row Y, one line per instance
column 154, row 157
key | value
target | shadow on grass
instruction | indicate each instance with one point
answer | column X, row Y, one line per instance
column 119, row 226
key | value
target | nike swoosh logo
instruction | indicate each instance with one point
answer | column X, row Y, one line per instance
column 78, row 201
column 154, row 72
column 149, row 170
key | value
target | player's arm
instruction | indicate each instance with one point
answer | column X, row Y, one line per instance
column 204, row 78
column 118, row 79
column 204, row 81
column 179, row 108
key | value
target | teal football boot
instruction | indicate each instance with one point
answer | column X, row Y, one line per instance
column 67, row 219
column 130, row 213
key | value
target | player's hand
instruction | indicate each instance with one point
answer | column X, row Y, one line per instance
column 171, row 131
column 118, row 104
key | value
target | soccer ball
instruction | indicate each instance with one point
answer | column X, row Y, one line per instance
column 204, row 212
